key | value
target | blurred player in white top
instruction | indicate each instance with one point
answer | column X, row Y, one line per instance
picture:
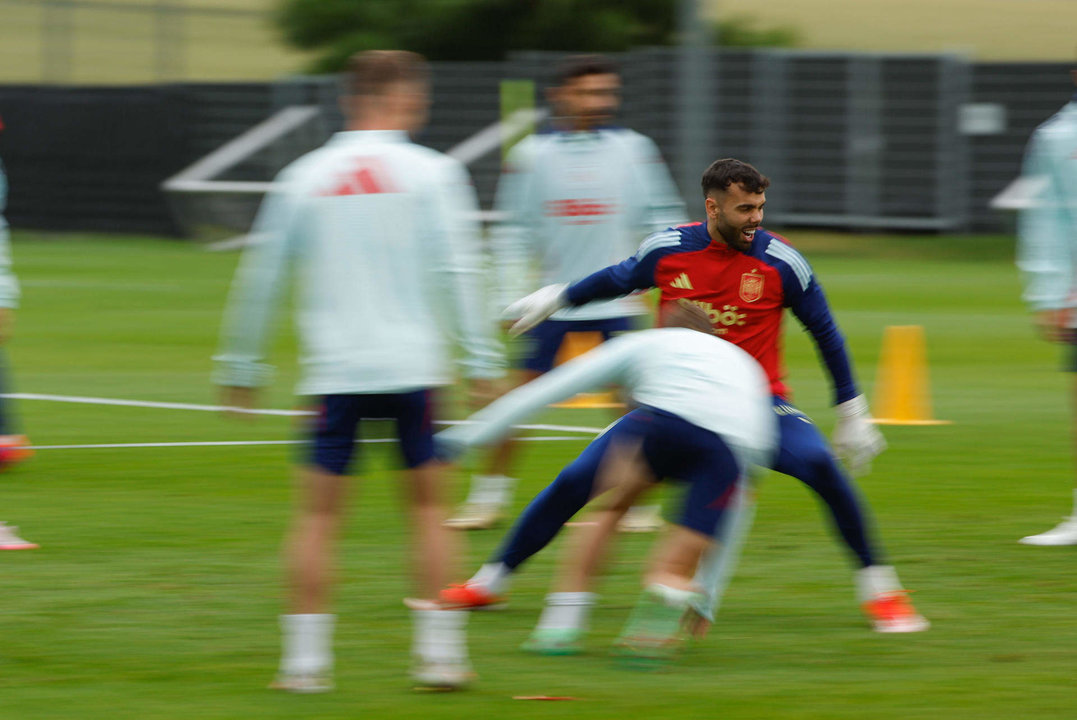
column 702, row 416
column 382, row 237
column 1047, row 252
column 13, row 447
column 574, row 199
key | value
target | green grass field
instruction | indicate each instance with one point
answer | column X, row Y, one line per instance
column 156, row 590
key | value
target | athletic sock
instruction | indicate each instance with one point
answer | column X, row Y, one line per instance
column 492, row 577
column 439, row 636
column 307, row 643
column 875, row 580
column 566, row 611
column 491, row 490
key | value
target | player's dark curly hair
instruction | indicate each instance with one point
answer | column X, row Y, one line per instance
column 577, row 66
column 723, row 173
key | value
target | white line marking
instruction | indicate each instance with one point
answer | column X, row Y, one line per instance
column 149, row 404
column 230, row 443
column 254, row 411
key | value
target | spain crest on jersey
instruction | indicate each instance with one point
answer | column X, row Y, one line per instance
column 751, row 286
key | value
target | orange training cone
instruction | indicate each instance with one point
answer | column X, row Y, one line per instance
column 901, row 389
column 574, row 345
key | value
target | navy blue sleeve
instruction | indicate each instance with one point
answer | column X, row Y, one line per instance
column 811, row 308
column 628, row 276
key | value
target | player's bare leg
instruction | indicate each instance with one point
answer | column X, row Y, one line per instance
column 1066, row 532
column 490, row 493
column 307, row 660
column 564, row 619
column 439, row 645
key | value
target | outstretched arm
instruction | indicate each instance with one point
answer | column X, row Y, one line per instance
column 856, row 440
column 606, row 363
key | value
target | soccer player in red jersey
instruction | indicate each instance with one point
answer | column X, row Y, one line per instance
column 744, row 277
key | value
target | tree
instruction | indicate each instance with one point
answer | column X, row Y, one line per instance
column 489, row 29
column 472, row 29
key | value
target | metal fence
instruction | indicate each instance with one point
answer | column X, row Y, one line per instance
column 855, row 141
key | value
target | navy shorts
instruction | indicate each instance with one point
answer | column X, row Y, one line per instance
column 337, row 427
column 544, row 340
column 678, row 450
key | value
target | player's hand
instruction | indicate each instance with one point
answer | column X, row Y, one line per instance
column 536, row 307
column 7, row 322
column 237, row 399
column 1054, row 324
column 856, row 439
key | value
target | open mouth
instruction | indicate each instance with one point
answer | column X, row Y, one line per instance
column 748, row 233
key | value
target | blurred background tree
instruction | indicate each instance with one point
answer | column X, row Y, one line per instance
column 489, row 29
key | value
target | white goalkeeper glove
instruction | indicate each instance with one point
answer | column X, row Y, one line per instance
column 856, row 439
column 536, row 307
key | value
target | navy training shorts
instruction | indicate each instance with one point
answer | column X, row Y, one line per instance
column 336, row 427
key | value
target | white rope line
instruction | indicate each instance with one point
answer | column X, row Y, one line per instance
column 252, row 411
column 232, row 443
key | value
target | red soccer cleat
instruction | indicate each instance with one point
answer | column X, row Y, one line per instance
column 470, row 596
column 893, row 613
column 14, row 449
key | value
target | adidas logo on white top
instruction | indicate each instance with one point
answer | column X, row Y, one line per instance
column 682, row 282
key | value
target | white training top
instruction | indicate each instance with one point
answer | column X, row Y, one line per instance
column 383, row 237
column 574, row 203
column 9, row 286
column 707, row 381
column 1047, row 229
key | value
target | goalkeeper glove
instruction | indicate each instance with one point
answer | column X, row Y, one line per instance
column 536, row 307
column 856, row 440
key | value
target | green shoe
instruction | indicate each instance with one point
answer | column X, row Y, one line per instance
column 554, row 641
column 652, row 635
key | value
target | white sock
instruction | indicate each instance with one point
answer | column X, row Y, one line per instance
column 493, row 578
column 672, row 597
column 439, row 636
column 491, row 490
column 566, row 611
column 307, row 643
column 875, row 580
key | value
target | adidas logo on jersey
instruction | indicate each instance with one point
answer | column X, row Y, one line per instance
column 682, row 282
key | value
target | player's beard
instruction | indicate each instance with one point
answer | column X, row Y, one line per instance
column 734, row 236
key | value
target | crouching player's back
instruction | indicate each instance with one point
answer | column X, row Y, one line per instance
column 702, row 415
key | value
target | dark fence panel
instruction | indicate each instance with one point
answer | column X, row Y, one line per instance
column 849, row 140
column 91, row 159
column 1028, row 93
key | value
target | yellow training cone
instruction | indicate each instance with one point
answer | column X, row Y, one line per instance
column 901, row 388
column 574, row 345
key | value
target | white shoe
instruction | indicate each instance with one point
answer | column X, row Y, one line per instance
column 442, row 675
column 305, row 683
column 475, row 516
column 10, row 541
column 1063, row 534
